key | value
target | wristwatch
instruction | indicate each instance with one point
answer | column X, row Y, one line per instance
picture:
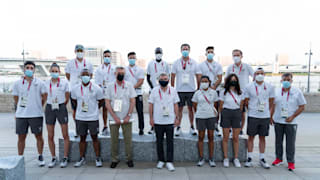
column 129, row 115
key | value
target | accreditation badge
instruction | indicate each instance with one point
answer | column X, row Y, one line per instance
column 84, row 107
column 185, row 78
column 55, row 105
column 117, row 106
column 165, row 111
column 24, row 101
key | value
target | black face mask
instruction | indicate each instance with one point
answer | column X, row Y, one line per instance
column 120, row 77
column 233, row 83
column 163, row 83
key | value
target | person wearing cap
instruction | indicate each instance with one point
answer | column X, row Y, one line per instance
column 289, row 103
column 58, row 98
column 29, row 95
column 120, row 99
column 259, row 97
column 155, row 68
column 73, row 70
column 135, row 75
column 88, row 98
column 103, row 75
column 187, row 75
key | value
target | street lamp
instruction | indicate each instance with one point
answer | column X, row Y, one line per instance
column 309, row 54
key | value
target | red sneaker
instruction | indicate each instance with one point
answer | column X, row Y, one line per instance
column 291, row 166
column 277, row 162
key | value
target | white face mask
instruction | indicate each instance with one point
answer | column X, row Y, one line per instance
column 204, row 85
column 158, row 56
column 260, row 78
column 80, row 55
column 236, row 59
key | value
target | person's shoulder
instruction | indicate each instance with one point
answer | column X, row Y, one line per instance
column 151, row 62
column 193, row 61
column 230, row 67
column 38, row 81
column 75, row 87
column 295, row 90
column 217, row 64
column 70, row 61
column 19, row 81
column 176, row 61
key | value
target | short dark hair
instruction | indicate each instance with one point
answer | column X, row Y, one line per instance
column 107, row 51
column 185, row 44
column 55, row 65
column 288, row 74
column 209, row 47
column 131, row 53
column 237, row 50
column 205, row 77
column 29, row 63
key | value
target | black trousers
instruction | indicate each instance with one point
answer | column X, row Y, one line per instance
column 290, row 131
column 160, row 131
column 139, row 108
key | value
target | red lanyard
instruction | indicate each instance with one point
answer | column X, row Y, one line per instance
column 155, row 67
column 240, row 69
column 288, row 94
column 160, row 93
column 57, row 85
column 257, row 92
column 233, row 97
column 115, row 87
column 184, row 65
column 84, row 63
column 29, row 83
column 205, row 97
column 108, row 68
column 209, row 67
column 82, row 89
column 131, row 72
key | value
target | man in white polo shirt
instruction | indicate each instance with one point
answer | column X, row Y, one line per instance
column 259, row 97
column 29, row 94
column 163, row 111
column 289, row 104
column 87, row 97
column 135, row 75
column 104, row 74
column 185, row 70
column 155, row 68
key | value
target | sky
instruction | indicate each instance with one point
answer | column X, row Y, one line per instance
column 260, row 28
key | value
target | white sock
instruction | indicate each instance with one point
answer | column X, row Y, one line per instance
column 250, row 154
column 261, row 156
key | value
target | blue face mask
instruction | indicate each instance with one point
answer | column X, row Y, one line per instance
column 132, row 61
column 85, row 79
column 54, row 75
column 106, row 60
column 210, row 56
column 28, row 73
column 286, row 84
column 185, row 53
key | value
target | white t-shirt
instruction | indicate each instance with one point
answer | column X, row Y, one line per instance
column 155, row 69
column 243, row 72
column 33, row 102
column 58, row 91
column 124, row 93
column 104, row 75
column 89, row 96
column 74, row 68
column 295, row 100
column 230, row 102
column 264, row 92
column 163, row 103
column 185, row 79
column 211, row 69
column 133, row 75
column 204, row 109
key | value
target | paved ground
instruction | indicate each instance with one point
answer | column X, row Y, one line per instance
column 307, row 159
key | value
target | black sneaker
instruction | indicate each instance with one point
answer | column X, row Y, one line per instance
column 141, row 133
column 114, row 164
column 151, row 131
column 130, row 164
column 241, row 132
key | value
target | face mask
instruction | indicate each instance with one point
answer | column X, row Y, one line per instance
column 106, row 60
column 210, row 56
column 185, row 53
column 286, row 84
column 132, row 61
column 236, row 59
column 54, row 75
column 79, row 55
column 85, row 79
column 120, row 77
column 163, row 83
column 233, row 83
column 28, row 73
column 204, row 85
column 158, row 56
column 260, row 78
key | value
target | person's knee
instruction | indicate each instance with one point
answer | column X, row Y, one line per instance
column 262, row 138
column 83, row 139
column 235, row 139
column 39, row 137
column 94, row 138
column 200, row 138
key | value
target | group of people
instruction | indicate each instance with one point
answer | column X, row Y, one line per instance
column 118, row 90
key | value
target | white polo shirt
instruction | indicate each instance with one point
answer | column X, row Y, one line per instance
column 292, row 102
column 243, row 72
column 74, row 68
column 185, row 79
column 259, row 93
column 89, row 95
column 155, row 69
column 104, row 74
column 32, row 92
column 205, row 100
column 57, row 90
column 161, row 99
column 124, row 93
column 211, row 69
column 231, row 100
column 133, row 74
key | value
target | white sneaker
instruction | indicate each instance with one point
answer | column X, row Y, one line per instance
column 264, row 164
column 236, row 163
column 193, row 131
column 226, row 163
column 64, row 163
column 160, row 165
column 53, row 162
column 41, row 161
column 201, row 162
column 98, row 162
column 212, row 163
column 81, row 162
column 105, row 131
column 178, row 131
column 248, row 163
column 170, row 166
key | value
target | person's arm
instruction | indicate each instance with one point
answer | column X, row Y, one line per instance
column 110, row 110
column 44, row 98
column 218, row 82
column 67, row 96
column 15, row 99
column 75, row 102
column 297, row 113
column 132, row 104
column 176, row 112
column 198, row 76
column 151, row 115
column 216, row 106
column 194, row 105
column 173, row 77
column 68, row 76
column 100, row 102
column 246, row 102
column 271, row 109
column 149, row 81
column 243, row 117
column 139, row 83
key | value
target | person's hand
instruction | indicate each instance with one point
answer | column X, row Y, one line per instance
column 271, row 121
column 289, row 119
column 126, row 120
column 74, row 114
column 117, row 120
column 151, row 122
column 176, row 122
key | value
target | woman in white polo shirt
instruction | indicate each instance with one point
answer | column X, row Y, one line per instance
column 58, row 97
column 231, row 106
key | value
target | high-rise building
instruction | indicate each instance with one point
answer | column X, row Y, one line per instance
column 116, row 58
column 94, row 54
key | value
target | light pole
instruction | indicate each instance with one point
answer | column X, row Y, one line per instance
column 23, row 53
column 310, row 54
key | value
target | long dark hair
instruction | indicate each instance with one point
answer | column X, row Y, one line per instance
column 227, row 84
